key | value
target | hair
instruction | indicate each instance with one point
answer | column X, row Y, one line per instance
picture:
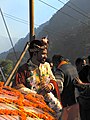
column 88, row 59
column 57, row 59
column 48, row 60
column 78, row 61
column 32, row 46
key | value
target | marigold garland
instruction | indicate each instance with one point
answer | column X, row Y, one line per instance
column 38, row 103
column 21, row 101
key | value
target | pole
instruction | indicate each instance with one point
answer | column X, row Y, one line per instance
column 8, row 33
column 17, row 64
column 3, row 76
column 31, row 15
column 31, row 37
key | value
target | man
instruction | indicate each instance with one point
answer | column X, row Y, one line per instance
column 84, row 98
column 65, row 74
column 67, row 79
column 37, row 75
column 79, row 64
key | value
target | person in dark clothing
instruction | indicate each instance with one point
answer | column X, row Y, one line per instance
column 84, row 98
column 79, row 62
column 82, row 69
column 84, row 74
column 67, row 79
column 65, row 73
column 88, row 58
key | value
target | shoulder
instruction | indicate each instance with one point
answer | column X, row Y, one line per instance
column 47, row 65
column 68, row 68
column 23, row 67
column 85, row 68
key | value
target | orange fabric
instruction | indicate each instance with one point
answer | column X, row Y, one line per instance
column 56, row 88
column 62, row 63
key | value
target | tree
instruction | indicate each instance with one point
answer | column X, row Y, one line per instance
column 7, row 66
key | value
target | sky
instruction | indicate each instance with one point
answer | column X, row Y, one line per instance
column 16, row 16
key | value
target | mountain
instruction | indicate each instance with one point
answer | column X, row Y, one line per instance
column 68, row 32
column 40, row 28
column 69, row 29
column 3, row 55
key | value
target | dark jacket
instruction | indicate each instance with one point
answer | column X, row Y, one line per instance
column 66, row 73
column 84, row 74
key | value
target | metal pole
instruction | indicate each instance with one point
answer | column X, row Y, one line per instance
column 8, row 33
column 17, row 64
column 32, row 36
column 4, row 79
column 31, row 15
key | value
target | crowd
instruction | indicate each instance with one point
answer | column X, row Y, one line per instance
column 64, row 86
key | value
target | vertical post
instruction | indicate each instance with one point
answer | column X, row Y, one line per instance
column 31, row 12
column 31, row 37
column 3, row 76
column 8, row 32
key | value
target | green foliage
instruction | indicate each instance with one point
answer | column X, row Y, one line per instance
column 7, row 66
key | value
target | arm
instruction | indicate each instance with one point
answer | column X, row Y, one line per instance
column 55, row 85
column 59, row 75
column 78, row 83
column 19, row 80
column 19, row 84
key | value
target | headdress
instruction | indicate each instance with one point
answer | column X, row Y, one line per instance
column 37, row 45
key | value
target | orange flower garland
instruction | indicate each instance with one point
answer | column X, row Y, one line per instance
column 38, row 103
column 20, row 101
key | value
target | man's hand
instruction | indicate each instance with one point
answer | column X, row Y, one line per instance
column 39, row 96
column 47, row 87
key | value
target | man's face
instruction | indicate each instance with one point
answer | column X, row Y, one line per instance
column 42, row 56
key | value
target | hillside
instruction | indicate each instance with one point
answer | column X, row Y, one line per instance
column 68, row 31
